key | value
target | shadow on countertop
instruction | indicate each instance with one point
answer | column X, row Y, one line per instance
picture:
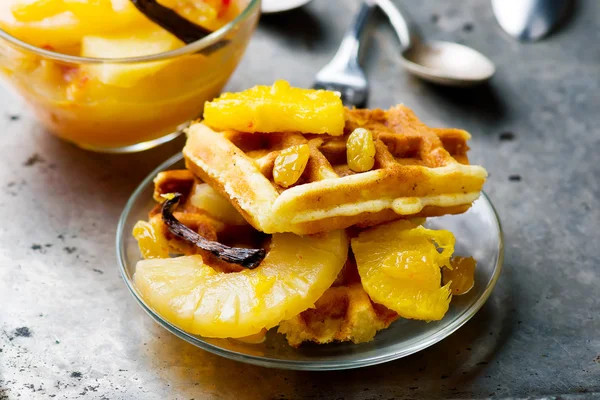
column 482, row 102
column 103, row 182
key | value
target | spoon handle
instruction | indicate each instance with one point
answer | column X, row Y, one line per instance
column 407, row 34
column 348, row 51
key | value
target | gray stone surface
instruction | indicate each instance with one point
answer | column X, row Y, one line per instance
column 69, row 328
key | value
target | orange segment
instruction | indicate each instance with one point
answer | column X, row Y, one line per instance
column 399, row 265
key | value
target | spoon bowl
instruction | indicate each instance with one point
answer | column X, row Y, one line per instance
column 444, row 63
column 277, row 6
column 447, row 63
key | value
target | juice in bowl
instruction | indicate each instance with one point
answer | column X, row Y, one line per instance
column 103, row 76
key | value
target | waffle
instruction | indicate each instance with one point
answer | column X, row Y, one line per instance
column 344, row 312
column 418, row 172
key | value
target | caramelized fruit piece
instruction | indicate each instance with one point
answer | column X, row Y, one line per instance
column 360, row 150
column 399, row 265
column 295, row 273
column 277, row 108
column 290, row 164
column 462, row 275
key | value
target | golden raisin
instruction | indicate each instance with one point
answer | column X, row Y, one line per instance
column 461, row 276
column 360, row 150
column 290, row 164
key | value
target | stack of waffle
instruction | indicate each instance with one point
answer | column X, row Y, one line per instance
column 417, row 172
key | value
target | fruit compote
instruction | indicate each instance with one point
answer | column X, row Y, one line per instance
column 82, row 95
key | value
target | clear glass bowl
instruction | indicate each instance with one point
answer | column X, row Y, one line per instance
column 478, row 234
column 74, row 99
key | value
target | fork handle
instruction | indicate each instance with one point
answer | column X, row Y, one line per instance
column 348, row 51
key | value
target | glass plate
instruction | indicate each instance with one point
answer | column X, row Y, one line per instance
column 478, row 234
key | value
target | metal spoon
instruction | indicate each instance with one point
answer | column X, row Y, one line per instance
column 445, row 63
column 529, row 20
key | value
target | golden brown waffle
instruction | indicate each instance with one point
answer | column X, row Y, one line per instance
column 344, row 312
column 418, row 172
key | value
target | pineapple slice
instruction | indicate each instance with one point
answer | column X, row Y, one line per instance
column 208, row 199
column 295, row 273
column 127, row 45
column 277, row 108
column 399, row 265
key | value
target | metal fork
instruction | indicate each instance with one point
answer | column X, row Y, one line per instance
column 344, row 73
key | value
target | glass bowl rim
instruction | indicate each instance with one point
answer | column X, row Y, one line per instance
column 430, row 340
column 187, row 49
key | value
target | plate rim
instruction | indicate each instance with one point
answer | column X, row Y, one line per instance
column 300, row 365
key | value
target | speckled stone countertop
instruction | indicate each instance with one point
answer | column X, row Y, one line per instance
column 69, row 329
